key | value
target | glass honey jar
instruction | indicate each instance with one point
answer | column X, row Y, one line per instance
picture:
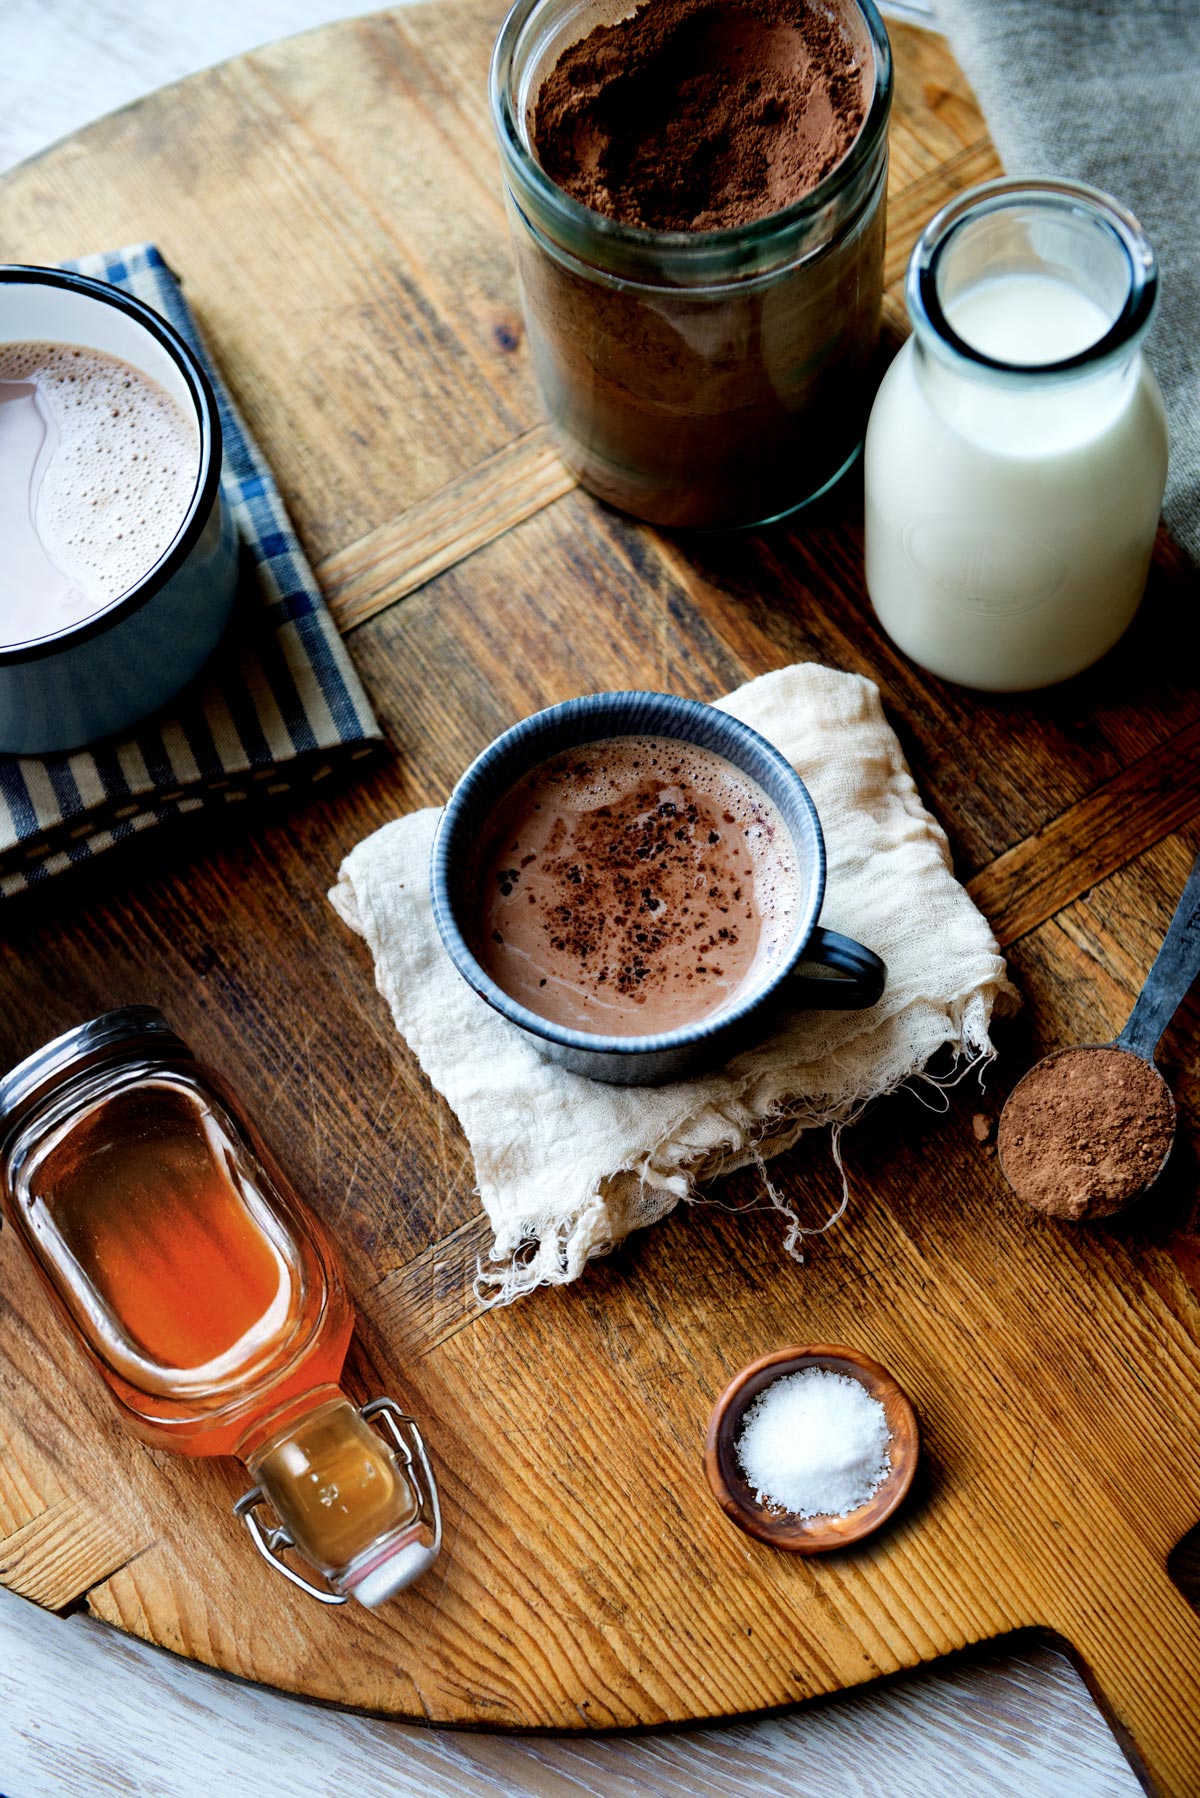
column 209, row 1297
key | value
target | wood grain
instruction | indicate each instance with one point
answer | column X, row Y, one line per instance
column 392, row 560
column 1097, row 835
column 334, row 208
column 62, row 1551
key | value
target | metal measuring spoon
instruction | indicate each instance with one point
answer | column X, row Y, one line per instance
column 1055, row 1150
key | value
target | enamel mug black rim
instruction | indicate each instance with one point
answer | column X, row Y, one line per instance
column 859, row 973
column 208, row 476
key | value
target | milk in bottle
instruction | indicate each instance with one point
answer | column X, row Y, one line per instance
column 1017, row 451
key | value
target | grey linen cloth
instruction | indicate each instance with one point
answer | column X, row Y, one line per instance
column 1108, row 91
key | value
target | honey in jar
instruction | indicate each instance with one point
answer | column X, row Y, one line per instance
column 209, row 1297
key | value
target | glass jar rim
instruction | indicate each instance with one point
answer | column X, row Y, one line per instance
column 126, row 1033
column 934, row 330
column 704, row 255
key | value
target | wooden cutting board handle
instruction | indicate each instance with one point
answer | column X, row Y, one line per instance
column 1139, row 1651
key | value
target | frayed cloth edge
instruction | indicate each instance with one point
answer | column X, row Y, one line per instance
column 556, row 1254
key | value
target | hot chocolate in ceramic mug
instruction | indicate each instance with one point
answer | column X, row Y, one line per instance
column 633, row 879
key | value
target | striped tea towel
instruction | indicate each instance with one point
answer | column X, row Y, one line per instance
column 278, row 703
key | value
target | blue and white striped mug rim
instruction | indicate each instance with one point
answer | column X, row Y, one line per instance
column 597, row 717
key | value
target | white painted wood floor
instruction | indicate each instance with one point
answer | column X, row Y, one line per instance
column 85, row 1711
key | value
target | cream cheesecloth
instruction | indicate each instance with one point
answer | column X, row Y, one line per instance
column 567, row 1167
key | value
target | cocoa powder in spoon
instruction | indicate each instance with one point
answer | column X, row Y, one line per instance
column 1085, row 1131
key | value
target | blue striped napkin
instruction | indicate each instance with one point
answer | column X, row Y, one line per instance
column 278, row 707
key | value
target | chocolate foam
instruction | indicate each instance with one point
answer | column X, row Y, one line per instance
column 633, row 886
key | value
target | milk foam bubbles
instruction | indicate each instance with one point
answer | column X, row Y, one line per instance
column 98, row 466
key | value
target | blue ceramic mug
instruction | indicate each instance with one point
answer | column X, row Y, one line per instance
column 88, row 680
column 856, row 976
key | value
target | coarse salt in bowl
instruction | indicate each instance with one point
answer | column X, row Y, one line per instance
column 811, row 1448
column 814, row 1443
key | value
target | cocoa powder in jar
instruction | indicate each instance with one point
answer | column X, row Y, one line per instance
column 725, row 387
column 699, row 115
column 709, row 410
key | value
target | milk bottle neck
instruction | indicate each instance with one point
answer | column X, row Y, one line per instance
column 1029, row 303
column 1035, row 415
column 1024, row 286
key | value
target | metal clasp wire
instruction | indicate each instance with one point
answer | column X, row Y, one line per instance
column 269, row 1539
column 405, row 1438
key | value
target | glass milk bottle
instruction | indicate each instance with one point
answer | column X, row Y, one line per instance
column 209, row 1298
column 1017, row 451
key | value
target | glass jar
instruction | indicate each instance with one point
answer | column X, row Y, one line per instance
column 1017, row 450
column 709, row 378
column 208, row 1296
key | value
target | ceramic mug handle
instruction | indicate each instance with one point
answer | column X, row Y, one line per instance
column 860, row 974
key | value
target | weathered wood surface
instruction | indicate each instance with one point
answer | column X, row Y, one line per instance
column 333, row 205
column 113, row 1718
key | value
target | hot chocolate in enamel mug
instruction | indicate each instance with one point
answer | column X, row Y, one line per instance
column 77, row 683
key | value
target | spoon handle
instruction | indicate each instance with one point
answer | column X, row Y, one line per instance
column 1175, row 968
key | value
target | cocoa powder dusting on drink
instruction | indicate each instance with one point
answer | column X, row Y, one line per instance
column 1085, row 1131
column 699, row 116
column 632, row 886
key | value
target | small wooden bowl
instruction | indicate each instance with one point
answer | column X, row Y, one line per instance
column 783, row 1529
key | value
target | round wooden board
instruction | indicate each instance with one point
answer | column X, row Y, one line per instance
column 333, row 205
